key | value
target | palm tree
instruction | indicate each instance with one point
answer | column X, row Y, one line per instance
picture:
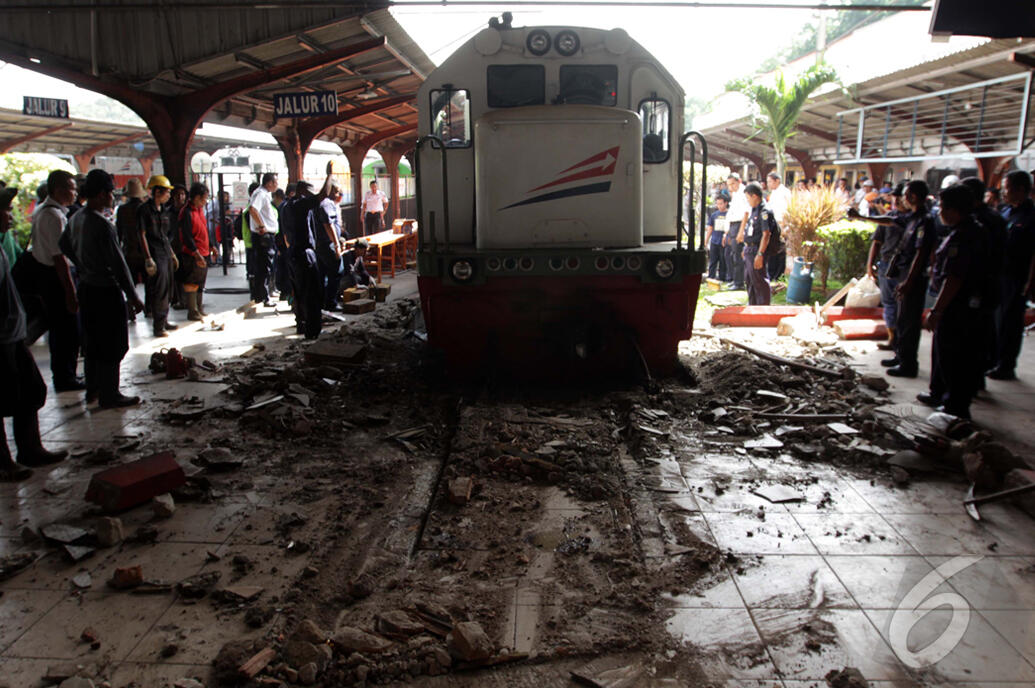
column 781, row 105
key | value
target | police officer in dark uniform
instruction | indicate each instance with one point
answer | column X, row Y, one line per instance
column 958, row 282
column 302, row 240
column 993, row 234
column 909, row 266
column 1016, row 281
column 760, row 238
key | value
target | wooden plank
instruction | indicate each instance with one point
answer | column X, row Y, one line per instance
column 841, row 293
column 257, row 663
column 755, row 316
column 358, row 306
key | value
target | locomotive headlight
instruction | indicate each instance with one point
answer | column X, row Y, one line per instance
column 567, row 43
column 538, row 42
column 462, row 270
column 664, row 268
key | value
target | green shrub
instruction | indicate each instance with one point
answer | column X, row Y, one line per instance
column 846, row 244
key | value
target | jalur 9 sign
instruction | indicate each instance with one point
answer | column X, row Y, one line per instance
column 45, row 107
column 305, row 104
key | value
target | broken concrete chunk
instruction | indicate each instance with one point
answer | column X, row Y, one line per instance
column 875, row 382
column 777, row 494
column 198, row 585
column 78, row 553
column 469, row 643
column 348, row 639
column 764, row 442
column 188, row 683
column 240, row 593
column 398, row 622
column 59, row 532
column 310, row 633
column 126, row 578
column 109, row 531
column 842, row 429
column 82, row 580
column 307, row 674
column 460, row 490
column 849, row 677
column 163, row 506
column 298, row 653
column 77, row 682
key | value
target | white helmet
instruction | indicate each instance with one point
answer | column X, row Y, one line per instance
column 949, row 181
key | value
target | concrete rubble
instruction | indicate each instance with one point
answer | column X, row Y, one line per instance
column 353, row 520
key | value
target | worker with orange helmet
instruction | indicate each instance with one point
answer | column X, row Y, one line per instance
column 155, row 222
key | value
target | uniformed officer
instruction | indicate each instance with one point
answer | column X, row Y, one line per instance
column 1016, row 282
column 882, row 248
column 993, row 234
column 302, row 239
column 758, row 238
column 957, row 280
column 909, row 266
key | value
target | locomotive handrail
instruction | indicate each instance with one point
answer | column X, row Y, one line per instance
column 445, row 193
column 683, row 141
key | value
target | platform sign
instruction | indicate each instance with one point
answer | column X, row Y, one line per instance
column 305, row 104
column 45, row 107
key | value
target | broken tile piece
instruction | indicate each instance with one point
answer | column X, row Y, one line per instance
column 777, row 494
column 764, row 442
column 842, row 429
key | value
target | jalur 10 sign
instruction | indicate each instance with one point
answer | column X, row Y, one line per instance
column 306, row 104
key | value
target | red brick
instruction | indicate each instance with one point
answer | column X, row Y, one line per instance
column 137, row 482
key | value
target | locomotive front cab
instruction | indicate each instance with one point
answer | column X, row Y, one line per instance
column 548, row 195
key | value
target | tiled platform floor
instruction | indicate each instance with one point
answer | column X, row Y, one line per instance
column 806, row 591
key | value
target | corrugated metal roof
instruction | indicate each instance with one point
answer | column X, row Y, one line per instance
column 85, row 134
column 729, row 130
column 171, row 50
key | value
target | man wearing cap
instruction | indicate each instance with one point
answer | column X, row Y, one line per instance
column 44, row 275
column 155, row 222
column 105, row 287
column 23, row 389
column 129, row 233
column 864, row 199
column 330, row 246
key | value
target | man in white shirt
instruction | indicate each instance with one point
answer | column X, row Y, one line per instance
column 262, row 223
column 374, row 204
column 46, row 279
column 779, row 200
column 734, row 239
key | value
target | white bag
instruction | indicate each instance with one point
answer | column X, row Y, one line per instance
column 865, row 294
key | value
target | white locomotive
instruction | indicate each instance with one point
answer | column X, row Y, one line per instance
column 549, row 184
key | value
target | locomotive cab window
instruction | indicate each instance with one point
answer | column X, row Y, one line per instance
column 655, row 114
column 588, row 85
column 516, row 85
column 451, row 117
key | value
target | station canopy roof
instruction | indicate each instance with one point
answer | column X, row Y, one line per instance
column 932, row 67
column 28, row 134
column 175, row 48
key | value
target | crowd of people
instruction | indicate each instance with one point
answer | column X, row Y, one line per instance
column 78, row 279
column 295, row 247
column 965, row 257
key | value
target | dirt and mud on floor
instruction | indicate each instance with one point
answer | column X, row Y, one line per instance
column 382, row 526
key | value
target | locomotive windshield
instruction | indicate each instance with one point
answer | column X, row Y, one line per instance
column 451, row 117
column 588, row 85
column 516, row 85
